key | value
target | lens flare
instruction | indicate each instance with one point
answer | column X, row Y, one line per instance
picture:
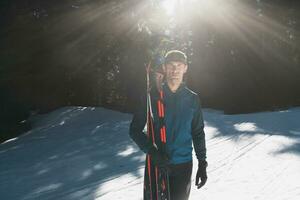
column 169, row 6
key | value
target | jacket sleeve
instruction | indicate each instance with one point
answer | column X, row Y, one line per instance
column 138, row 124
column 198, row 131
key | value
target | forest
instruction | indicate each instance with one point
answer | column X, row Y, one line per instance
column 243, row 55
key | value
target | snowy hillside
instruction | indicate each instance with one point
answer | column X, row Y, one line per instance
column 86, row 153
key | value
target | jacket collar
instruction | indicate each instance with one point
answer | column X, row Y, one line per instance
column 168, row 90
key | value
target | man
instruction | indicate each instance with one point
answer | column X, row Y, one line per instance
column 184, row 124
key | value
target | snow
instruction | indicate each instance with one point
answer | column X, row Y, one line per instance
column 85, row 153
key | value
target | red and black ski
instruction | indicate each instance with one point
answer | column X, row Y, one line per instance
column 156, row 181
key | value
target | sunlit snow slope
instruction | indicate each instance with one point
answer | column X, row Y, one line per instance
column 84, row 153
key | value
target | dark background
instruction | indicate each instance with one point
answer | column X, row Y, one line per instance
column 243, row 54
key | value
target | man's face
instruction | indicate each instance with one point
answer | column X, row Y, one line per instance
column 175, row 70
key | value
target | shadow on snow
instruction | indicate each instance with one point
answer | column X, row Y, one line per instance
column 75, row 152
column 70, row 154
column 278, row 123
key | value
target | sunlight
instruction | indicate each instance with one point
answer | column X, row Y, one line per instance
column 246, row 126
column 129, row 150
column 169, row 6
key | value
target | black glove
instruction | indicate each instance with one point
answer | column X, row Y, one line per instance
column 157, row 157
column 201, row 173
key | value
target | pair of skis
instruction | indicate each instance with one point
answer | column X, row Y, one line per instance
column 156, row 181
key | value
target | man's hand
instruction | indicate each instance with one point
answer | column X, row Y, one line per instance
column 201, row 173
column 157, row 157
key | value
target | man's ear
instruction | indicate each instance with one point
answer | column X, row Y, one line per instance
column 164, row 68
column 185, row 68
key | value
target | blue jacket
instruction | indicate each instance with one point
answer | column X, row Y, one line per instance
column 183, row 120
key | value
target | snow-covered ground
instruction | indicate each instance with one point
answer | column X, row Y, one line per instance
column 85, row 153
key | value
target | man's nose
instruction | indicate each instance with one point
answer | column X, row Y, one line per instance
column 175, row 69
